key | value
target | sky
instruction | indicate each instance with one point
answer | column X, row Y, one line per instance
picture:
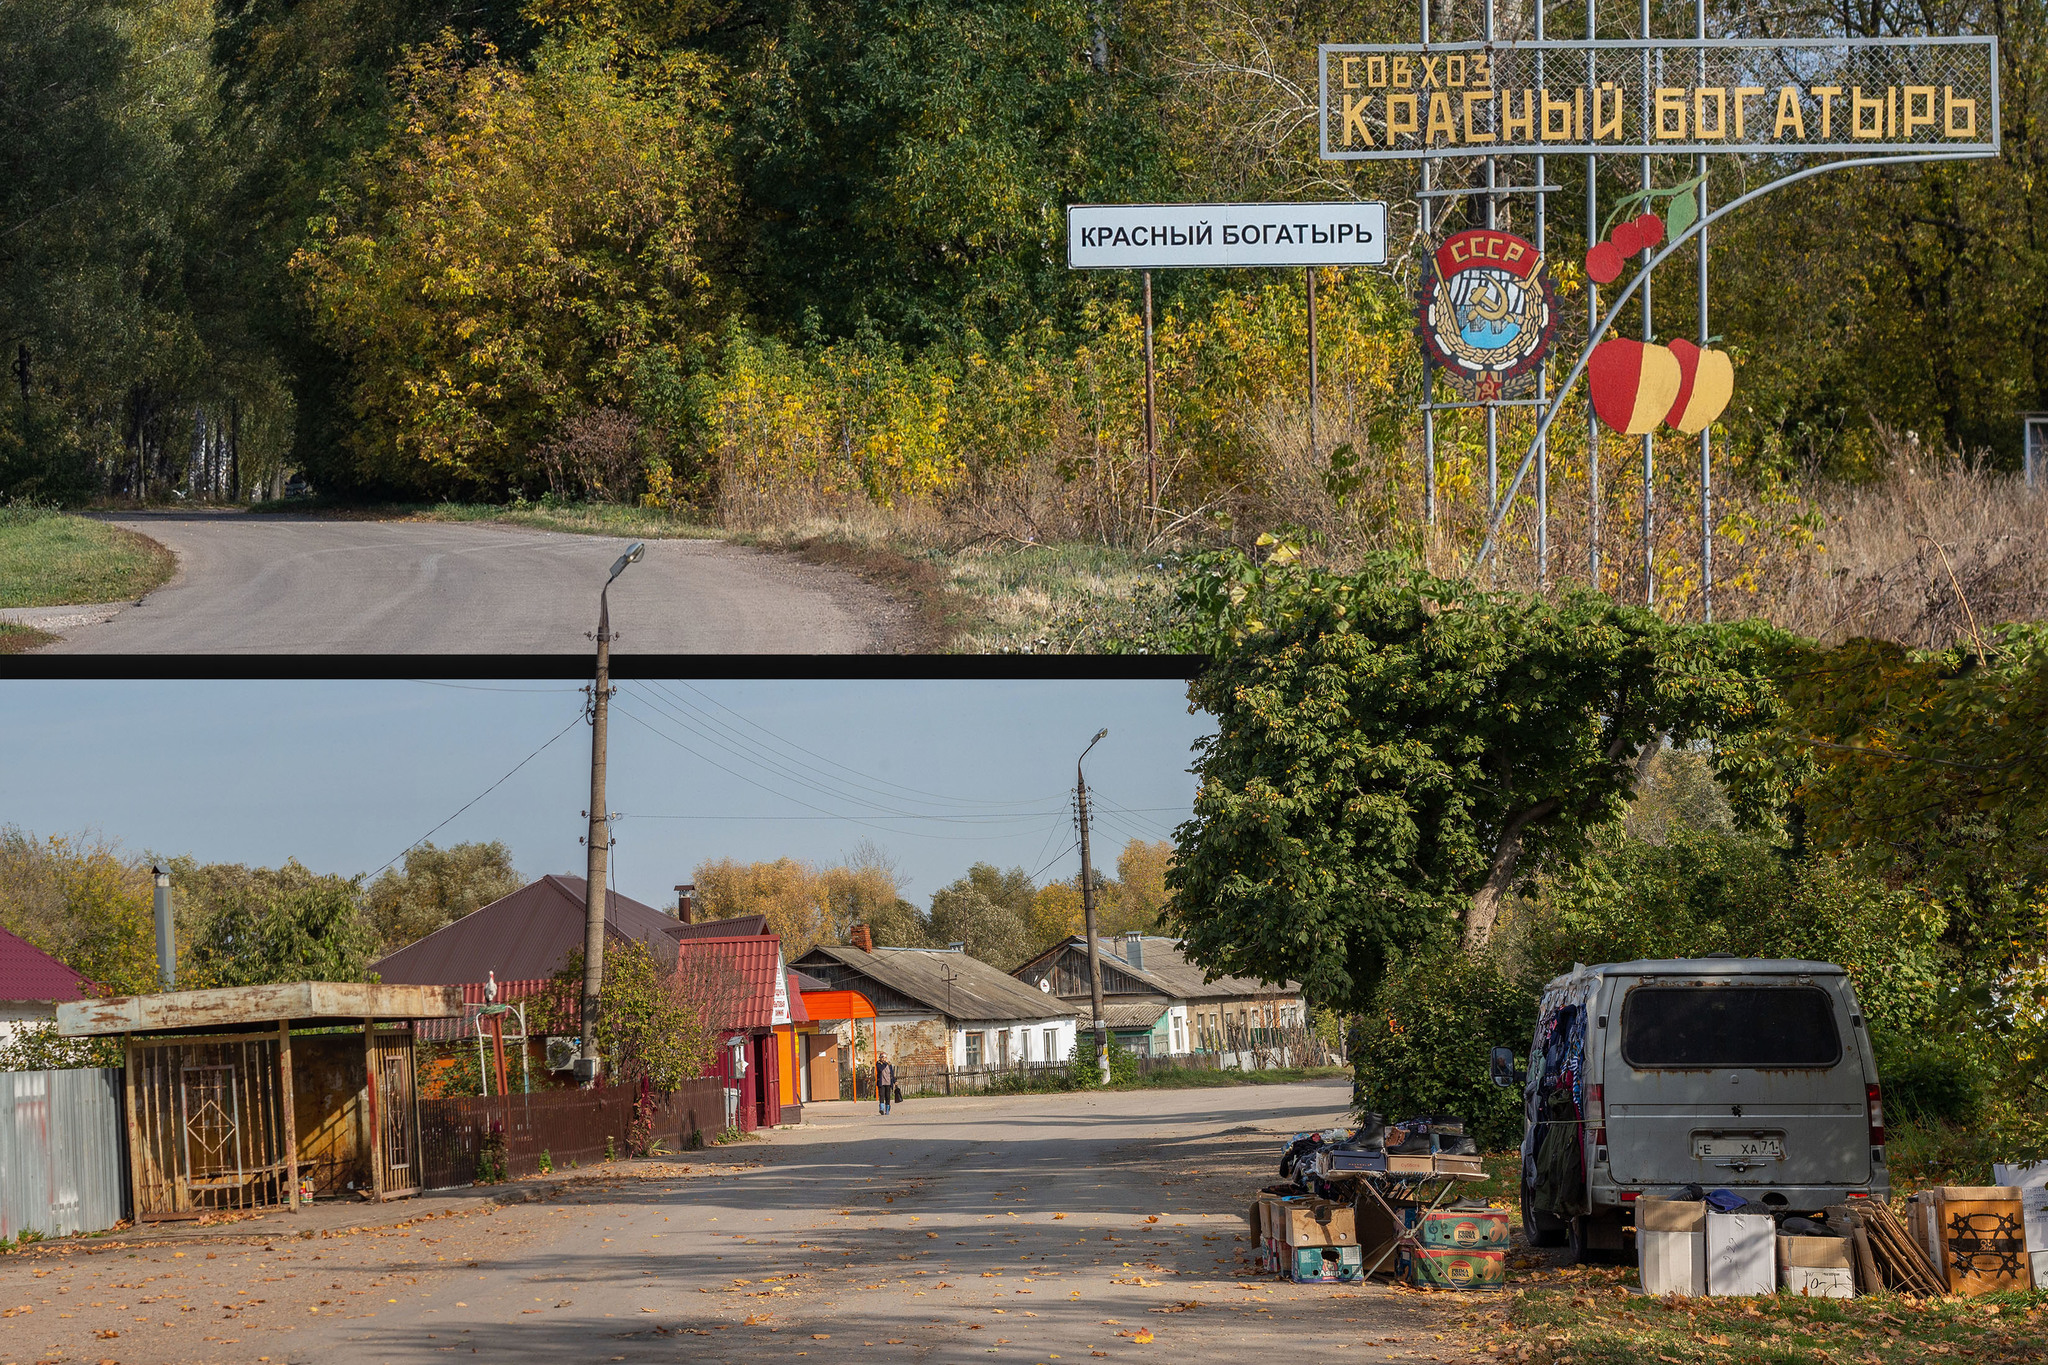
column 345, row 775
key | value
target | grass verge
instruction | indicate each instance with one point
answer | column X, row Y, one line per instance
column 986, row 595
column 48, row 559
column 21, row 639
column 1592, row 1318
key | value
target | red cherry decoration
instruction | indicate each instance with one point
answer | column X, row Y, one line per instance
column 1603, row 263
column 1652, row 229
column 1627, row 237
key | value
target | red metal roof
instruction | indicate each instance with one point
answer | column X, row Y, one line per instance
column 797, row 1013
column 754, row 961
column 29, row 973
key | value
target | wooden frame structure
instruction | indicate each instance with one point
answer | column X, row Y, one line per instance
column 263, row 1096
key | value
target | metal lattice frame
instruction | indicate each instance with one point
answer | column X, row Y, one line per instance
column 1929, row 99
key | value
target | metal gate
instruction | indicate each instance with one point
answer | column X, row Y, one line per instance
column 206, row 1123
column 396, row 1114
column 60, row 1152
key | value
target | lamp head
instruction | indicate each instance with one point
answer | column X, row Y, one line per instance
column 634, row 554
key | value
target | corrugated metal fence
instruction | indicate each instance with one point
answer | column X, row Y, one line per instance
column 63, row 1167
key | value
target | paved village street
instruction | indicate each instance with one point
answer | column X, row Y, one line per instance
column 1014, row 1229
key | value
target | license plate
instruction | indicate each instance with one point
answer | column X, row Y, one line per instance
column 1766, row 1147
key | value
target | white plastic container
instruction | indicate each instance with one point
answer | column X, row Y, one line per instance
column 1742, row 1253
column 1671, row 1246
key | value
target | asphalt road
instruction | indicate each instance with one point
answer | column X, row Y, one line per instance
column 301, row 585
column 1033, row 1229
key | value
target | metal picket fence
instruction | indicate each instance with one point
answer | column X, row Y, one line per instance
column 63, row 1163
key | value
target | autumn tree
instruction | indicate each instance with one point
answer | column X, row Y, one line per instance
column 262, row 925
column 1396, row 753
column 525, row 249
column 84, row 902
column 436, row 887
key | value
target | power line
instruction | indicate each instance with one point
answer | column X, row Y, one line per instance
column 773, row 765
column 850, row 819
column 790, row 744
column 482, row 794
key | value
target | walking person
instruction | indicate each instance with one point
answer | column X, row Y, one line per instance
column 885, row 1080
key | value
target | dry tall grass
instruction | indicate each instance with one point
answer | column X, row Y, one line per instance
column 1929, row 557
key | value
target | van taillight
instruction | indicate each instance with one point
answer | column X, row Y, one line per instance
column 1876, row 1097
column 1596, row 1114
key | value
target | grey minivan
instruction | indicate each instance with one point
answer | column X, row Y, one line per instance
column 1747, row 1074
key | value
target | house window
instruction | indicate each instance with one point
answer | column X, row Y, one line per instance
column 1052, row 1045
column 974, row 1041
column 1180, row 1042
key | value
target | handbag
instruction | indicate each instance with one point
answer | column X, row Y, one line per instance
column 897, row 1098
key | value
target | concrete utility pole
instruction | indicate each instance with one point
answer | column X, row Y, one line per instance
column 166, row 940
column 1088, row 915
column 599, row 838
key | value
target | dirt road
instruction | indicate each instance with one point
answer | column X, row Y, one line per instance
column 304, row 585
column 1032, row 1229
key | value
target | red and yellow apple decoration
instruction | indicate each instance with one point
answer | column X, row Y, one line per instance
column 1706, row 381
column 1638, row 384
column 1634, row 384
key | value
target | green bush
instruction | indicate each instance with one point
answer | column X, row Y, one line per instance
column 1928, row 1078
column 1084, row 1074
column 1423, row 1047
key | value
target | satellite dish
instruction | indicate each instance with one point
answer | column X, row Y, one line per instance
column 1045, row 985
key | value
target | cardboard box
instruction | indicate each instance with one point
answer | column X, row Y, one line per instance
column 1671, row 1246
column 1324, row 1265
column 1378, row 1231
column 2032, row 1183
column 1741, row 1253
column 1820, row 1282
column 1443, row 1268
column 1423, row 1164
column 1311, row 1223
column 1470, row 1229
column 1256, row 1217
column 1983, row 1238
column 1443, row 1163
column 1819, row 1253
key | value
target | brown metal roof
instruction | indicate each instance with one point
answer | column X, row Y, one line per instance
column 950, row 983
column 1166, row 969
column 736, row 927
column 524, row 935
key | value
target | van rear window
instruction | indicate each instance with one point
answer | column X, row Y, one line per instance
column 1720, row 1026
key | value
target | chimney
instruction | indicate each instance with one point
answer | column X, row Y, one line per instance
column 959, row 947
column 686, row 902
column 1134, row 950
column 166, row 946
column 862, row 939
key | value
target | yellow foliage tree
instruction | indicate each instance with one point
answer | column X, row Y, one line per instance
column 806, row 905
column 523, row 245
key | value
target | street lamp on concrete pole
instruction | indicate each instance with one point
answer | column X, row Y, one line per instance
column 599, row 837
column 1088, row 915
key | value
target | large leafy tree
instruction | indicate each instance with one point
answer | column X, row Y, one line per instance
column 525, row 248
column 1395, row 753
column 264, row 925
column 436, row 887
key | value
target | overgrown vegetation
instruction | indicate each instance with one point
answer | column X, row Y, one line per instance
column 756, row 265
column 1392, row 751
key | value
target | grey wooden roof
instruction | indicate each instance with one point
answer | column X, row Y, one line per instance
column 1166, row 969
column 947, row 982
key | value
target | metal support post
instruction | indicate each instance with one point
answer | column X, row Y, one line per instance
column 1313, row 446
column 1706, row 433
column 1151, row 411
column 1649, row 442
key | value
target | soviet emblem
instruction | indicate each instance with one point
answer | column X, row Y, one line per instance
column 1487, row 314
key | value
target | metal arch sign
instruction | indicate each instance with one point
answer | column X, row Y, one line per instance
column 1862, row 96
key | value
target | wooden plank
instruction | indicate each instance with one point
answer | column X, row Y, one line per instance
column 128, row 1061
column 257, row 1005
column 376, row 1112
column 289, row 1118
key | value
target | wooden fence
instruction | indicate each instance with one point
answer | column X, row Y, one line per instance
column 571, row 1126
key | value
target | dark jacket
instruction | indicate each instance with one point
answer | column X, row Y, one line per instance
column 885, row 1075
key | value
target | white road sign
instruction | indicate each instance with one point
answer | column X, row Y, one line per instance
column 1170, row 236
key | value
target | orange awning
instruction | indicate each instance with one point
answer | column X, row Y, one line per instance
column 837, row 1005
